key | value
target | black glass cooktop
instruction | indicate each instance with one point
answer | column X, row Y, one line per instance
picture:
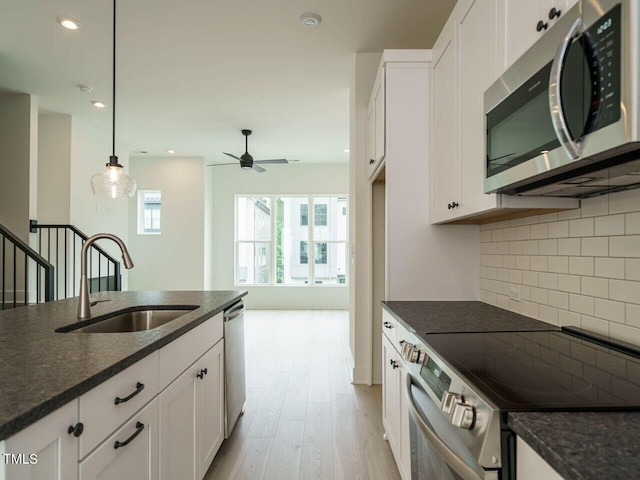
column 542, row 370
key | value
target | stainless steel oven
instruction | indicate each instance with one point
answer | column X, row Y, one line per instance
column 460, row 388
column 564, row 120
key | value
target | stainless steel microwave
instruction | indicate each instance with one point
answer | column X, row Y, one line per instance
column 564, row 119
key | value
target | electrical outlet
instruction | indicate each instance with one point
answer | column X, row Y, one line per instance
column 515, row 293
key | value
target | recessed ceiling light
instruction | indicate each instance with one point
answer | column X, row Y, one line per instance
column 346, row 150
column 98, row 104
column 171, row 152
column 310, row 19
column 68, row 23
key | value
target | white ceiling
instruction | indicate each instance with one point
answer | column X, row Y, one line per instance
column 192, row 73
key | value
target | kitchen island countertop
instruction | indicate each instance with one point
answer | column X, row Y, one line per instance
column 41, row 370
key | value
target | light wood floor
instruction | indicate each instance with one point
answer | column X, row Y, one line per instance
column 304, row 419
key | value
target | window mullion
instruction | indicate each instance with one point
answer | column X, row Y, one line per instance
column 274, row 240
column 312, row 245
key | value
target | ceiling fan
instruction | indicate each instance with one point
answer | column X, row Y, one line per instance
column 246, row 160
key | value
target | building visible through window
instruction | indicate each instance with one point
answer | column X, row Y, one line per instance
column 149, row 211
column 291, row 240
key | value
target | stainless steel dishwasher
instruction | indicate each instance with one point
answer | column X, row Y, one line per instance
column 234, row 376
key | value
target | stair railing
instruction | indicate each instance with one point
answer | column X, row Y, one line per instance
column 61, row 244
column 23, row 267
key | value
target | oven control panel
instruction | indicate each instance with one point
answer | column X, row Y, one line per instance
column 459, row 413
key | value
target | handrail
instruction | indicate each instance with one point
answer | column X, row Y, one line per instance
column 77, row 232
column 49, row 269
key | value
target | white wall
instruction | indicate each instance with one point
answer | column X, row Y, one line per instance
column 54, row 168
column 579, row 267
column 173, row 260
column 279, row 179
column 360, row 316
column 18, row 161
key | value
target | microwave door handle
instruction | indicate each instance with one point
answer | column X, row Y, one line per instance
column 441, row 448
column 571, row 146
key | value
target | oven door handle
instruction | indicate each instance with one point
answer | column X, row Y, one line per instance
column 571, row 146
column 449, row 456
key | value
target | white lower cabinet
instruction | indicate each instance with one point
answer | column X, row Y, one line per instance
column 131, row 452
column 192, row 418
column 395, row 413
column 46, row 450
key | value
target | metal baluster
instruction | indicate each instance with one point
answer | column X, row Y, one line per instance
column 4, row 264
column 26, row 279
column 99, row 274
column 66, row 261
column 14, row 276
column 74, row 262
column 57, row 264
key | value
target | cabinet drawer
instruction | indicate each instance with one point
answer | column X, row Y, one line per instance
column 136, row 456
column 183, row 351
column 389, row 324
column 105, row 408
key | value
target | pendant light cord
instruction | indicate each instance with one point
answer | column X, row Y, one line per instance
column 113, row 110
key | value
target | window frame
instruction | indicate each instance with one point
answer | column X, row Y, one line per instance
column 311, row 243
column 141, row 229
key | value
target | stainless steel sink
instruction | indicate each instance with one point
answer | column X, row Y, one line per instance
column 130, row 321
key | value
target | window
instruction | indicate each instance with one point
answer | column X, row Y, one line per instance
column 320, row 215
column 291, row 240
column 149, row 212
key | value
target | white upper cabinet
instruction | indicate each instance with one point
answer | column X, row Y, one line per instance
column 376, row 140
column 522, row 22
column 465, row 64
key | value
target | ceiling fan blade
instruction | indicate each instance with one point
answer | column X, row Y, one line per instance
column 277, row 160
column 258, row 168
column 220, row 164
column 231, row 155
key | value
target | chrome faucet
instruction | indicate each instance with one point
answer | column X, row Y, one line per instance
column 84, row 304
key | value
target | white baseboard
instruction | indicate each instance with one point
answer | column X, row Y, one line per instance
column 377, row 375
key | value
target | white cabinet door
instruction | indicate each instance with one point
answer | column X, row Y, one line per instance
column 376, row 124
column 478, row 70
column 210, row 407
column 177, row 427
column 445, row 165
column 55, row 450
column 390, row 386
column 530, row 465
column 520, row 19
column 131, row 453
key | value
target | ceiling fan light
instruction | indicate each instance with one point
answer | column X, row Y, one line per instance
column 246, row 167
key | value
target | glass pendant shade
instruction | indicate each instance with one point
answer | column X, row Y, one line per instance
column 113, row 182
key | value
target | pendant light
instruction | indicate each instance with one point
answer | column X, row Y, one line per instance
column 113, row 182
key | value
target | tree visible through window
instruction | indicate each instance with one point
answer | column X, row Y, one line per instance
column 291, row 240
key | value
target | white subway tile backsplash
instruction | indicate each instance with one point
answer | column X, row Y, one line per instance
column 627, row 246
column 548, row 247
column 610, row 225
column 595, row 246
column 559, row 264
column 583, row 227
column 558, row 299
column 540, row 230
column 569, row 246
column 595, row 287
column 569, row 283
column 548, row 280
column 591, row 207
column 623, row 202
column 539, row 263
column 632, row 315
column 559, row 229
column 581, row 304
column 624, row 290
column 579, row 267
column 632, row 269
column 609, row 310
column 632, row 223
column 609, row 267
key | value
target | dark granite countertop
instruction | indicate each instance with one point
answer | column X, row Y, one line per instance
column 427, row 317
column 43, row 370
column 583, row 445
